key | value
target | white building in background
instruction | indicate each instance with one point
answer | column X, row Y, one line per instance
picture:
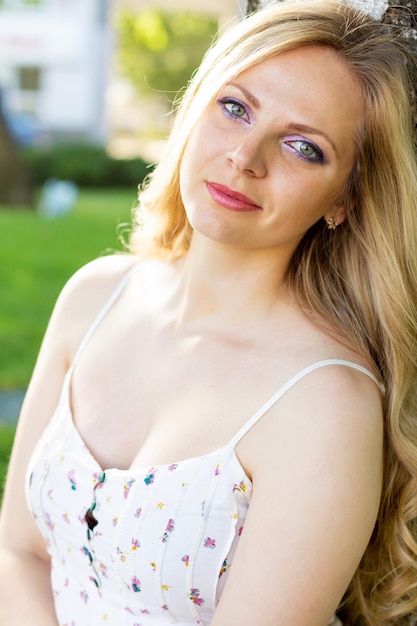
column 54, row 59
column 57, row 77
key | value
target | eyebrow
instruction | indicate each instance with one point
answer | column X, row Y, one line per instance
column 248, row 95
column 302, row 128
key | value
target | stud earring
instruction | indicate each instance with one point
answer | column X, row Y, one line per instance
column 331, row 223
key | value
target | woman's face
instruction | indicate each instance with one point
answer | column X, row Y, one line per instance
column 270, row 155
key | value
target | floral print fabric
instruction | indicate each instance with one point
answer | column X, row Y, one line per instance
column 142, row 547
column 135, row 548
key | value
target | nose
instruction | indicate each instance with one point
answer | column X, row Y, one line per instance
column 248, row 155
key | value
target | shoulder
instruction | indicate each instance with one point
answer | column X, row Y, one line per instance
column 337, row 397
column 323, row 446
column 99, row 276
column 334, row 411
column 316, row 464
column 83, row 296
column 328, row 389
column 323, row 443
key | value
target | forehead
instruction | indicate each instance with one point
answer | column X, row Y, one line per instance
column 313, row 64
column 311, row 82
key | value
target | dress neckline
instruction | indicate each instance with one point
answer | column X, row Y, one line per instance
column 231, row 444
column 132, row 471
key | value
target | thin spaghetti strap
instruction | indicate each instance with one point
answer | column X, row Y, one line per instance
column 304, row 372
column 101, row 315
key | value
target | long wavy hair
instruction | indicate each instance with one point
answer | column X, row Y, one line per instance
column 362, row 278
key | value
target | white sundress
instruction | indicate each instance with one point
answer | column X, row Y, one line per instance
column 141, row 547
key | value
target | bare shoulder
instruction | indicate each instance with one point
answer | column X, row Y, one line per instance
column 333, row 389
column 334, row 411
column 78, row 304
column 337, row 398
column 89, row 288
column 97, row 278
column 85, row 294
column 316, row 465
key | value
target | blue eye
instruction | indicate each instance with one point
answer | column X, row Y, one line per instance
column 234, row 109
column 306, row 150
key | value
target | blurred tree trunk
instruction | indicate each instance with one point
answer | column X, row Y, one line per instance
column 252, row 5
column 402, row 14
column 15, row 186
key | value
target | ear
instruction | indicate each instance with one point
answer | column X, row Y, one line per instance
column 337, row 215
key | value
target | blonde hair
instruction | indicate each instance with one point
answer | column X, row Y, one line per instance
column 361, row 278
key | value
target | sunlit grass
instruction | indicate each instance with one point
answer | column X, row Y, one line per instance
column 37, row 256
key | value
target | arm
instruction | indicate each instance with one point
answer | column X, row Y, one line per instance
column 316, row 465
column 25, row 591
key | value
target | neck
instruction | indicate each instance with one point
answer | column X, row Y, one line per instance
column 234, row 285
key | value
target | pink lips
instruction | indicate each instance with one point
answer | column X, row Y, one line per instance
column 231, row 199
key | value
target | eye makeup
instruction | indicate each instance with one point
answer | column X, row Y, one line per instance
column 235, row 109
column 303, row 148
column 306, row 150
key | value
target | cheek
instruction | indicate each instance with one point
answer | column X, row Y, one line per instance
column 299, row 202
column 196, row 162
column 204, row 143
column 190, row 178
column 188, row 170
column 191, row 160
column 323, row 192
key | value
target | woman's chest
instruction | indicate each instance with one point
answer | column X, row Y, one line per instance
column 157, row 401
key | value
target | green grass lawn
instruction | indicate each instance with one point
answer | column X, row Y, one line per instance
column 6, row 441
column 37, row 256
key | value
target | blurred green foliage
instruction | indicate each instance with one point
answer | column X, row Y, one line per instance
column 159, row 51
column 88, row 165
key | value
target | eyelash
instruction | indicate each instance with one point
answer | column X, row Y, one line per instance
column 318, row 153
column 225, row 101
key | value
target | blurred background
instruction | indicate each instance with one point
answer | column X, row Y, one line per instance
column 86, row 89
column 102, row 72
column 97, row 70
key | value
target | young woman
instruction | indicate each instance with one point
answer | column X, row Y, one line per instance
column 233, row 431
